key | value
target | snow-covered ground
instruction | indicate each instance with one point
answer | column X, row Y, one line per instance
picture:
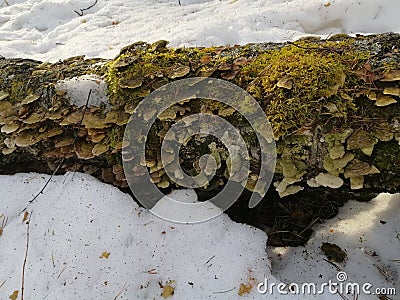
column 87, row 240
column 52, row 30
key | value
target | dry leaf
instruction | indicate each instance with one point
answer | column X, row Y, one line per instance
column 14, row 295
column 205, row 59
column 244, row 289
column 26, row 214
column 366, row 74
column 168, row 291
column 105, row 254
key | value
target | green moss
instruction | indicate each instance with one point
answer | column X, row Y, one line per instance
column 151, row 65
column 114, row 136
column 315, row 74
column 318, row 73
column 143, row 64
column 18, row 92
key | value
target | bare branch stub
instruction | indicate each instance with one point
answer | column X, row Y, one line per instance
column 83, row 9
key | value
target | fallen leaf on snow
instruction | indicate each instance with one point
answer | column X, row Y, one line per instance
column 26, row 214
column 244, row 289
column 105, row 254
column 14, row 295
column 168, row 291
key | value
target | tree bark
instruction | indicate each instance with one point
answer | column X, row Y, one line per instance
column 333, row 106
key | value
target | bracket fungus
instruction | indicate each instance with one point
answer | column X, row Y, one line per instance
column 392, row 75
column 356, row 170
column 363, row 140
column 326, row 180
column 336, row 142
column 336, row 166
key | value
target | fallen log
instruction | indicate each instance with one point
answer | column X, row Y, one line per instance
column 332, row 104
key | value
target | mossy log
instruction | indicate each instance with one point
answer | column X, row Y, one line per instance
column 333, row 105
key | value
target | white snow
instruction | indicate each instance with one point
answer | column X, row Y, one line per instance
column 77, row 90
column 78, row 219
column 51, row 30
column 370, row 234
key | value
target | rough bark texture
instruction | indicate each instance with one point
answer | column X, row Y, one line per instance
column 333, row 105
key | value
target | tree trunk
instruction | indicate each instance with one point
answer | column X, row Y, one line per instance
column 333, row 106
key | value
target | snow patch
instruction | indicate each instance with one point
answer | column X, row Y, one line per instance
column 78, row 221
column 78, row 88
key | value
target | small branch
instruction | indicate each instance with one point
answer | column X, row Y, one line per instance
column 83, row 9
column 121, row 291
column 43, row 188
column 337, row 51
column 209, row 259
column 223, row 292
column 333, row 264
column 309, row 225
column 1, row 284
column 62, row 271
column 26, row 256
column 80, row 124
column 3, row 224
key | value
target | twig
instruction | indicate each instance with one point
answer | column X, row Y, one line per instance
column 43, row 188
column 62, row 160
column 309, row 225
column 26, row 256
column 52, row 259
column 83, row 9
column 3, row 224
column 333, row 264
column 121, row 291
column 210, row 259
column 2, row 283
column 80, row 124
column 223, row 292
column 337, row 51
column 287, row 231
column 62, row 271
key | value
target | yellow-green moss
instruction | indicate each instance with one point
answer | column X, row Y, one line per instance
column 316, row 74
column 316, row 71
column 151, row 65
column 114, row 136
column 147, row 65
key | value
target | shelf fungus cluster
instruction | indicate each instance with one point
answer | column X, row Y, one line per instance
column 333, row 105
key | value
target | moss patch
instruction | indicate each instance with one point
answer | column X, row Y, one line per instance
column 299, row 83
column 295, row 84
